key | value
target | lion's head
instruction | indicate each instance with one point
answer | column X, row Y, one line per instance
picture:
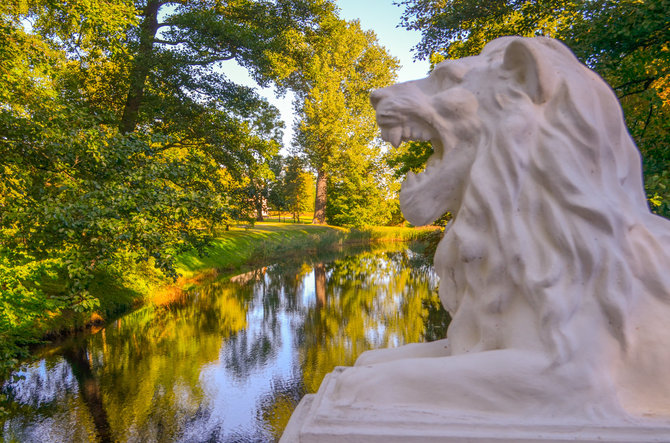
column 497, row 100
column 552, row 246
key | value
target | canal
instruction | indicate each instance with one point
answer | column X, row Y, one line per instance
column 231, row 360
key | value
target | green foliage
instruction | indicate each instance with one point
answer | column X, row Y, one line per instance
column 122, row 142
column 298, row 186
column 409, row 157
column 292, row 189
column 361, row 190
column 460, row 28
column 22, row 298
column 336, row 132
column 628, row 43
column 412, row 156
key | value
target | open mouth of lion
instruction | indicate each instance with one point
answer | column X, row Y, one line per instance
column 396, row 135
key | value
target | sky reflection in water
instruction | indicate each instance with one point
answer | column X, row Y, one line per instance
column 230, row 362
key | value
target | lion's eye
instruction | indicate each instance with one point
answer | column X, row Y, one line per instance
column 450, row 73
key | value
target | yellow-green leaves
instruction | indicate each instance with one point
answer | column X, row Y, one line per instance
column 337, row 129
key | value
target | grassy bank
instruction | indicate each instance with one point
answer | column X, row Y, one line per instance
column 242, row 249
column 239, row 247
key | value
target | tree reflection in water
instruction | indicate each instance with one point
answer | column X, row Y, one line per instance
column 89, row 390
column 230, row 362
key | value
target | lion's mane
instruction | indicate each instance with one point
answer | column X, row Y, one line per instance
column 554, row 212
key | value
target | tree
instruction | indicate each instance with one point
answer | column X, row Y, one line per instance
column 298, row 185
column 344, row 65
column 174, row 64
column 83, row 186
column 361, row 189
column 409, row 157
column 115, row 111
column 121, row 139
column 193, row 36
column 454, row 29
column 276, row 192
column 625, row 41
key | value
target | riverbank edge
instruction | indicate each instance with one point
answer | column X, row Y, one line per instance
column 275, row 241
column 232, row 252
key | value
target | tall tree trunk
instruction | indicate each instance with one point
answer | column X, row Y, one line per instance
column 320, row 284
column 259, row 208
column 89, row 390
column 320, row 200
column 141, row 67
column 259, row 199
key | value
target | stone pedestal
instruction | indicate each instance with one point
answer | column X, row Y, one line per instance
column 319, row 420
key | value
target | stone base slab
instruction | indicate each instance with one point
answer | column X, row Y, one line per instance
column 317, row 419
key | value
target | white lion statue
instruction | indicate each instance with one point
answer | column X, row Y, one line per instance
column 555, row 273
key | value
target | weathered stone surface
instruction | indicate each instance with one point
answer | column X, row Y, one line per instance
column 319, row 420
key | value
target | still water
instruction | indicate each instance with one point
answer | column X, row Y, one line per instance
column 230, row 362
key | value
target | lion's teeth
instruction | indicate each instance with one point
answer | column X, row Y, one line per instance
column 406, row 133
column 395, row 137
column 385, row 134
column 438, row 149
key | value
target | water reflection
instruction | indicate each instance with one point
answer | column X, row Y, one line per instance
column 230, row 362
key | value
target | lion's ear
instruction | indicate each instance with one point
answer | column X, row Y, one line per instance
column 529, row 70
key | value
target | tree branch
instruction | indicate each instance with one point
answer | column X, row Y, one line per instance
column 646, row 122
column 176, row 143
column 211, row 60
column 647, row 81
column 159, row 4
column 167, row 42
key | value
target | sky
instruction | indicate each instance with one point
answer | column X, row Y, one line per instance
column 381, row 16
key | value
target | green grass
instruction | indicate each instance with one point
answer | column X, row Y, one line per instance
column 235, row 248
column 240, row 247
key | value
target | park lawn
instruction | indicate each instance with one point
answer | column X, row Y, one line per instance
column 239, row 247
column 286, row 217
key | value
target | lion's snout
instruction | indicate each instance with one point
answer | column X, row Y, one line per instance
column 409, row 90
column 376, row 96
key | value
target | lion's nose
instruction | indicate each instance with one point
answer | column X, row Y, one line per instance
column 376, row 96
